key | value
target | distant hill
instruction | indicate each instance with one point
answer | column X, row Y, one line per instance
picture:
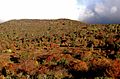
column 40, row 26
column 59, row 27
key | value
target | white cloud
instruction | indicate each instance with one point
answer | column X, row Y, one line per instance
column 38, row 9
column 114, row 9
column 104, row 11
column 100, row 8
column 85, row 14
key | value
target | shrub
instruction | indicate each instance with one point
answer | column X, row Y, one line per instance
column 114, row 70
column 78, row 65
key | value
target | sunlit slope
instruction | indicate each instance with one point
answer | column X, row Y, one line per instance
column 59, row 49
column 69, row 30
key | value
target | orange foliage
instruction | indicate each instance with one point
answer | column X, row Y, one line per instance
column 114, row 70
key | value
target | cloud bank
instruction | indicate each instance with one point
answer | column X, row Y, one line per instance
column 90, row 11
column 38, row 9
column 99, row 11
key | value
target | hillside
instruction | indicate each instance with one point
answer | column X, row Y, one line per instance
column 59, row 49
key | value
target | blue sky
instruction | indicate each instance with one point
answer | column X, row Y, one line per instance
column 90, row 11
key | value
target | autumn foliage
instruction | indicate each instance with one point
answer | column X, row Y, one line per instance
column 59, row 49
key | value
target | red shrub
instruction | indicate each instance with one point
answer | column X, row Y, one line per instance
column 114, row 70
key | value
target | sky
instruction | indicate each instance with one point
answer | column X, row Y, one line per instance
column 38, row 9
column 99, row 11
column 89, row 11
